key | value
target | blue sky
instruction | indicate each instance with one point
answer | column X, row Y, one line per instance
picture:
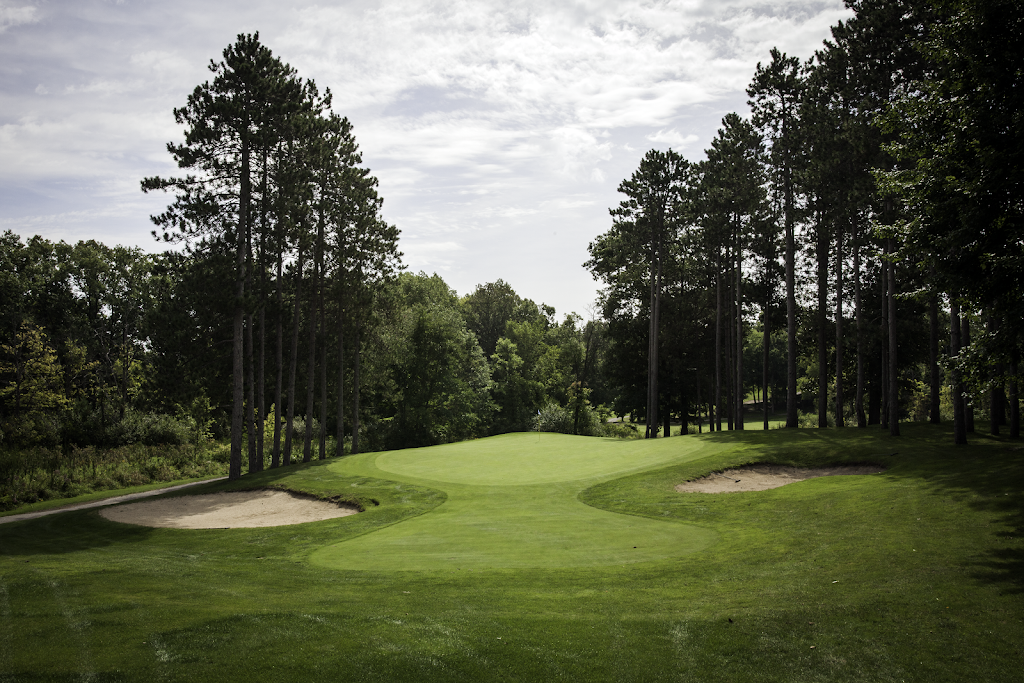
column 499, row 130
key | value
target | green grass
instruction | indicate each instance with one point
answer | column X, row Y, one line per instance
column 511, row 558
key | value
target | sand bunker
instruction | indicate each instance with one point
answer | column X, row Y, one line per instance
column 228, row 510
column 763, row 477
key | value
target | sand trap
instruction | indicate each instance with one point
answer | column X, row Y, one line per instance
column 763, row 477
column 228, row 510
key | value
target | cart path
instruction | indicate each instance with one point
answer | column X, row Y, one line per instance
column 104, row 502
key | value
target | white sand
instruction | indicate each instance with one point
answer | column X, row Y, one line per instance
column 228, row 510
column 763, row 477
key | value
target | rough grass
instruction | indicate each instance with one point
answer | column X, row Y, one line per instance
column 914, row 574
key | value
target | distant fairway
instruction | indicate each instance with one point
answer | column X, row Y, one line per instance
column 512, row 502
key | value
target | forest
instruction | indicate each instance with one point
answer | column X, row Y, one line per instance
column 848, row 255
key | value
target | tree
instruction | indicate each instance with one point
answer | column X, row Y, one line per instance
column 734, row 210
column 643, row 227
column 776, row 93
column 229, row 120
column 959, row 131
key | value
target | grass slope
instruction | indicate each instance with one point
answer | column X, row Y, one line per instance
column 914, row 575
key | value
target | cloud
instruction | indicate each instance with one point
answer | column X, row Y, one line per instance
column 16, row 16
column 672, row 137
column 491, row 124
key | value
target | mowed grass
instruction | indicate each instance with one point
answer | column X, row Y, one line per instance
column 529, row 572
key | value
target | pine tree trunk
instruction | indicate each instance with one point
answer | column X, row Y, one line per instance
column 858, row 400
column 765, row 342
column 884, row 412
column 250, row 395
column 275, row 458
column 894, row 390
column 718, row 348
column 965, row 339
column 739, row 328
column 1014, row 402
column 995, row 407
column 341, row 381
column 651, row 422
column 959, row 421
column 822, row 258
column 237, row 365
column 355, row 390
column 293, row 361
column 840, row 399
column 261, row 371
column 934, row 415
column 792, row 420
column 250, row 358
column 307, row 443
column 323, row 375
column 730, row 383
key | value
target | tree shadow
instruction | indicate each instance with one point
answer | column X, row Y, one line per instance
column 987, row 475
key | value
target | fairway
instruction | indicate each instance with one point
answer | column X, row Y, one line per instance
column 512, row 558
column 513, row 502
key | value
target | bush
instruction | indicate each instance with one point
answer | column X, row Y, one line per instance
column 592, row 421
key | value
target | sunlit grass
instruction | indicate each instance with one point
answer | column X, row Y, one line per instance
column 913, row 574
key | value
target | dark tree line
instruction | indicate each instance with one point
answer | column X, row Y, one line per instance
column 872, row 183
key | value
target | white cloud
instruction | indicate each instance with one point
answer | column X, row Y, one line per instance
column 16, row 16
column 672, row 137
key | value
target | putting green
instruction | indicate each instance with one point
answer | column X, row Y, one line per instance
column 512, row 503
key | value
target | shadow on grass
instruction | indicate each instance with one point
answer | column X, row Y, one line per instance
column 67, row 532
column 72, row 531
column 987, row 474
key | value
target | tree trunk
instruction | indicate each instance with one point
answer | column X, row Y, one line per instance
column 730, row 399
column 739, row 329
column 884, row 413
column 995, row 407
column 323, row 375
column 718, row 348
column 858, row 401
column 275, row 458
column 355, row 389
column 250, row 395
column 341, row 381
column 307, row 443
column 965, row 339
column 792, row 420
column 934, row 416
column 840, row 399
column 293, row 362
column 261, row 370
column 959, row 422
column 651, row 426
column 237, row 365
column 1014, row 402
column 822, row 257
column 655, row 347
column 894, row 391
column 766, row 341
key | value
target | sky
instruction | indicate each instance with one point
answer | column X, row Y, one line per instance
column 499, row 131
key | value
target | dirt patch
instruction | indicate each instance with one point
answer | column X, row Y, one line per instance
column 763, row 477
column 228, row 510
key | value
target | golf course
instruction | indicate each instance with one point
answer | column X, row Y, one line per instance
column 535, row 556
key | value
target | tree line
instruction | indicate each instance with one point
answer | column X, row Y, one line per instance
column 109, row 346
column 871, row 198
